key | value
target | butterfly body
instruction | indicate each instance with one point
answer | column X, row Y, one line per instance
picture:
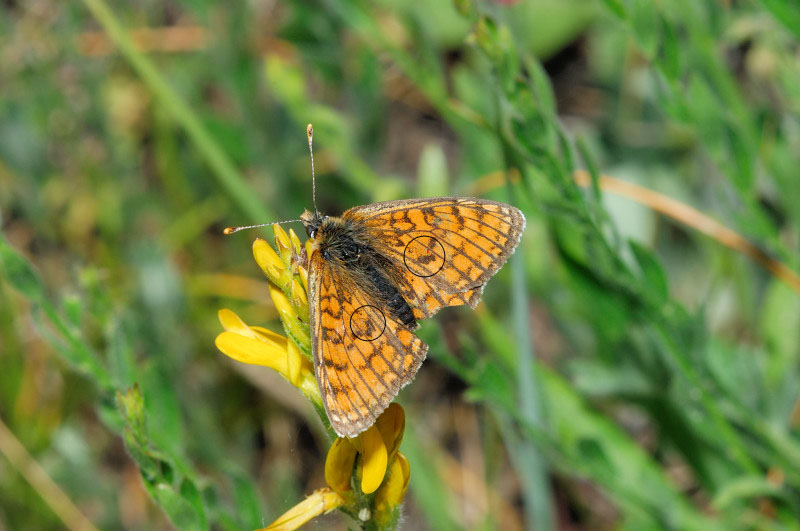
column 377, row 270
column 346, row 245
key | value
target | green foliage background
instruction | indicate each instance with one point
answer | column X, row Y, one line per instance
column 624, row 371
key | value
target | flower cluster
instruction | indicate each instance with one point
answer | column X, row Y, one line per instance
column 367, row 476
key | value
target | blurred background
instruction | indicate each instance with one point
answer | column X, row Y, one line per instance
column 625, row 370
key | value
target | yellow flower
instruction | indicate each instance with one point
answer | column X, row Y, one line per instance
column 295, row 328
column 259, row 346
column 320, row 501
column 377, row 448
column 371, row 463
column 367, row 475
column 255, row 345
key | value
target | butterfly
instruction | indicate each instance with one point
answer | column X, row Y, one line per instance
column 375, row 272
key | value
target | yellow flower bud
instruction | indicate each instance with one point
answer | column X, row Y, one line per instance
column 339, row 465
column 295, row 241
column 389, row 497
column 374, row 458
column 283, row 243
column 272, row 265
column 299, row 297
column 320, row 502
column 296, row 329
column 303, row 273
column 392, row 424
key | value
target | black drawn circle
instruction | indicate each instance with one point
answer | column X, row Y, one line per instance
column 367, row 323
column 414, row 258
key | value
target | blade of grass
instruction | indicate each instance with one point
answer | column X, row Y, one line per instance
column 222, row 167
column 697, row 220
column 19, row 458
column 787, row 13
column 531, row 466
column 593, row 446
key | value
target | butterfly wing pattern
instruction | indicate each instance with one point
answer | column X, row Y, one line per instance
column 448, row 247
column 433, row 252
column 362, row 356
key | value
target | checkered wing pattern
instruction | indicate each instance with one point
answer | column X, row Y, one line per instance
column 363, row 356
column 447, row 248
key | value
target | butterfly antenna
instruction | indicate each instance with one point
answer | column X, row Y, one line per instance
column 310, row 135
column 231, row 230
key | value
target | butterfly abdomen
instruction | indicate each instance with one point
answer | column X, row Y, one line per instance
column 395, row 302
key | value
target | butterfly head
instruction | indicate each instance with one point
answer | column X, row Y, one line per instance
column 312, row 222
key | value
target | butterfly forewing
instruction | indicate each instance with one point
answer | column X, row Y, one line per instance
column 362, row 354
column 446, row 248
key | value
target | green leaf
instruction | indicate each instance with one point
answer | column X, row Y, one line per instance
column 651, row 270
column 670, row 52
column 594, row 378
column 490, row 384
column 192, row 495
column 740, row 491
column 645, row 24
column 248, row 502
column 164, row 418
column 780, row 312
column 181, row 512
column 72, row 309
column 20, row 273
column 148, row 467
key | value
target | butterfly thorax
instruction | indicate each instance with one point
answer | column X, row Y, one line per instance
column 348, row 248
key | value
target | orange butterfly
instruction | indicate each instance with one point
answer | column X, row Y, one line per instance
column 377, row 270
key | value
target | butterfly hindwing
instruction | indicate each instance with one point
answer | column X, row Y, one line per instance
column 362, row 354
